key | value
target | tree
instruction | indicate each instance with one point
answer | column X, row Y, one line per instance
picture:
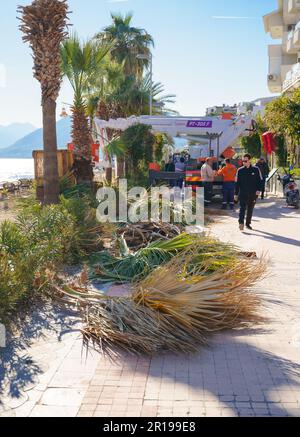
column 283, row 118
column 129, row 42
column 80, row 63
column 253, row 143
column 141, row 148
column 127, row 96
column 132, row 95
column 44, row 25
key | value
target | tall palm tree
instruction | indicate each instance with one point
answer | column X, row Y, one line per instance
column 44, row 25
column 129, row 42
column 80, row 63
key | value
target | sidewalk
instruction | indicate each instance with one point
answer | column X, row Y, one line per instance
column 242, row 373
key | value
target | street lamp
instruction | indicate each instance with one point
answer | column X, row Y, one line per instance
column 150, row 59
column 64, row 113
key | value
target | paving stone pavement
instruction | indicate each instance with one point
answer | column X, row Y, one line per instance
column 243, row 373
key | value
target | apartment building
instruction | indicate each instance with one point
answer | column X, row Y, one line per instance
column 218, row 110
column 253, row 107
column 284, row 57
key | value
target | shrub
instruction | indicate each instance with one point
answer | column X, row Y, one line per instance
column 40, row 241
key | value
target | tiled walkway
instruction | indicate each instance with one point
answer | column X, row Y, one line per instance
column 243, row 373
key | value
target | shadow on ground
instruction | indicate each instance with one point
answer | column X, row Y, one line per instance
column 235, row 372
column 19, row 370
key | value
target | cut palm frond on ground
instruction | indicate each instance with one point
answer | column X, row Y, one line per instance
column 140, row 235
column 175, row 308
column 136, row 266
column 208, row 253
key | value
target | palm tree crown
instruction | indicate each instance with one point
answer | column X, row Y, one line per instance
column 129, row 42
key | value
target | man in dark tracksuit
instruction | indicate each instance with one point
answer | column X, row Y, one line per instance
column 265, row 170
column 248, row 186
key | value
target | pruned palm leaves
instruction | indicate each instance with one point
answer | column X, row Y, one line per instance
column 209, row 255
column 138, row 265
column 172, row 309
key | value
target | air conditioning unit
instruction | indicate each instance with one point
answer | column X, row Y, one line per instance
column 272, row 77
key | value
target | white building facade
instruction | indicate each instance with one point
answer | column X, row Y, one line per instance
column 284, row 58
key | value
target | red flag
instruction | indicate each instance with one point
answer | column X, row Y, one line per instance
column 269, row 142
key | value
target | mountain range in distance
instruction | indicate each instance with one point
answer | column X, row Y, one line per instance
column 24, row 146
column 13, row 132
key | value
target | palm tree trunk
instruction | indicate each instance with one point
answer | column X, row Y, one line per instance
column 121, row 167
column 108, row 175
column 51, row 179
column 82, row 139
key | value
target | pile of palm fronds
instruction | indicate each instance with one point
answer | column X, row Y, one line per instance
column 209, row 253
column 133, row 266
column 140, row 235
column 175, row 308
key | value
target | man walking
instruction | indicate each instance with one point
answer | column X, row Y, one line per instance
column 208, row 176
column 264, row 170
column 248, row 186
column 229, row 176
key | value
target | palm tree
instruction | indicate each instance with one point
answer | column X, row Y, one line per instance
column 80, row 63
column 44, row 25
column 129, row 42
column 133, row 96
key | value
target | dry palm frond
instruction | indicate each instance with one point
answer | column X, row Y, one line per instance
column 175, row 308
column 139, row 235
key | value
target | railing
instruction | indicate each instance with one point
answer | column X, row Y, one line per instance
column 292, row 77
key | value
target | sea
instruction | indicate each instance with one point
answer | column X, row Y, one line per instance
column 13, row 169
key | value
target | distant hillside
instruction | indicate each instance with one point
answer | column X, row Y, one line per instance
column 34, row 141
column 13, row 132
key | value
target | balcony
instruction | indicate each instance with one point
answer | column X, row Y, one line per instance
column 274, row 24
column 293, row 6
column 291, row 41
column 290, row 46
column 296, row 39
column 292, row 78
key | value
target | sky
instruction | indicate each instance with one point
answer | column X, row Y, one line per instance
column 207, row 52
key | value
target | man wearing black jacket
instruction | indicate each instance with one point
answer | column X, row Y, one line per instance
column 248, row 186
column 265, row 170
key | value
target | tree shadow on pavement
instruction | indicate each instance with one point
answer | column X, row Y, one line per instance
column 21, row 362
column 274, row 208
column 242, row 377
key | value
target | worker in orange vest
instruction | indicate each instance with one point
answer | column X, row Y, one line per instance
column 228, row 173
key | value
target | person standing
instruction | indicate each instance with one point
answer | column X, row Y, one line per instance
column 229, row 176
column 207, row 177
column 264, row 170
column 180, row 168
column 170, row 167
column 248, row 186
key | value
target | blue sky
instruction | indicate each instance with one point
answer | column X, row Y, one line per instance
column 202, row 59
